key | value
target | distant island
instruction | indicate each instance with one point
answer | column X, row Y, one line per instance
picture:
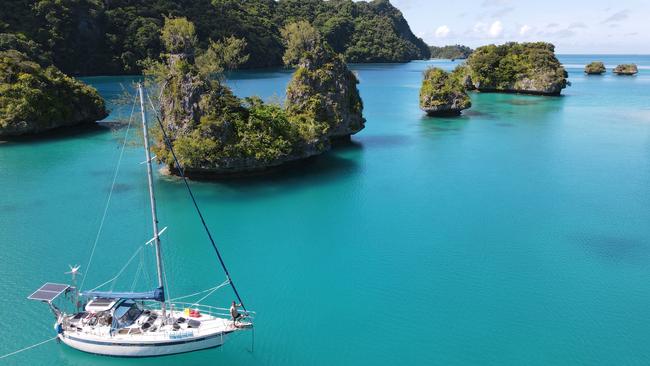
column 595, row 68
column 528, row 68
column 451, row 52
column 214, row 133
column 626, row 69
column 114, row 37
column 34, row 99
column 443, row 93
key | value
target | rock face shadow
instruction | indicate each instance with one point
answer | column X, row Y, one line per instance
column 445, row 124
column 61, row 133
column 316, row 170
column 382, row 141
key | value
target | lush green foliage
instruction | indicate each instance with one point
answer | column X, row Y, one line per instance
column 595, row 67
column 440, row 88
column 450, row 52
column 34, row 99
column 299, row 38
column 211, row 128
column 114, row 37
column 503, row 67
column 19, row 42
column 322, row 90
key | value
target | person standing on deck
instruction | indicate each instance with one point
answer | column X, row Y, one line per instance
column 234, row 313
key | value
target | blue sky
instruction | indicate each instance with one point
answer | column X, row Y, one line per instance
column 574, row 26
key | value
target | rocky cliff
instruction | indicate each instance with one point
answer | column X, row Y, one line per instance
column 595, row 68
column 35, row 99
column 323, row 89
column 213, row 132
column 626, row 69
column 442, row 93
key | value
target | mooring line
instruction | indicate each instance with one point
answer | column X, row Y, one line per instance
column 26, row 348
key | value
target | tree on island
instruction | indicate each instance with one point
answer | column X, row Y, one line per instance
column 90, row 37
column 443, row 93
column 322, row 88
column 595, row 68
column 215, row 133
column 626, row 69
column 529, row 68
column 34, row 99
column 451, row 52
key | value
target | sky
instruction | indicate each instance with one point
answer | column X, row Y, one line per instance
column 574, row 26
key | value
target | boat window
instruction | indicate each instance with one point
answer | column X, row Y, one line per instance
column 127, row 313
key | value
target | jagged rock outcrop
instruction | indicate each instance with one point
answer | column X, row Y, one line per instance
column 626, row 69
column 35, row 99
column 324, row 89
column 528, row 68
column 217, row 134
column 213, row 132
column 595, row 68
column 443, row 93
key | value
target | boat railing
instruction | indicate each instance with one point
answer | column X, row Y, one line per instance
column 204, row 309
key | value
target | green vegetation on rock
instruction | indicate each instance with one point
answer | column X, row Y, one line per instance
column 35, row 99
column 91, row 37
column 517, row 67
column 213, row 131
column 450, row 52
column 322, row 88
column 626, row 69
column 595, row 68
column 443, row 93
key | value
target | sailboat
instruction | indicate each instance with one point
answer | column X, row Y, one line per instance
column 142, row 324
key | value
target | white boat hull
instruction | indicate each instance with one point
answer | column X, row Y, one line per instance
column 122, row 348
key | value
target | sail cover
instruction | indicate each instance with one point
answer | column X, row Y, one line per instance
column 157, row 294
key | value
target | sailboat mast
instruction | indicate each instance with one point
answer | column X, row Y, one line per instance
column 152, row 198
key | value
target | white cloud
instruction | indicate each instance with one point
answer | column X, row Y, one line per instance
column 524, row 30
column 495, row 29
column 442, row 31
column 617, row 17
column 480, row 27
column 489, row 3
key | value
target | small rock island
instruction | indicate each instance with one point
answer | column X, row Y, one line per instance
column 527, row 68
column 216, row 134
column 626, row 69
column 443, row 93
column 322, row 88
column 595, row 68
column 34, row 99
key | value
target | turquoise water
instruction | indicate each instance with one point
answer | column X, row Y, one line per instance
column 515, row 234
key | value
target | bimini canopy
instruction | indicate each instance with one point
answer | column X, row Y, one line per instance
column 157, row 294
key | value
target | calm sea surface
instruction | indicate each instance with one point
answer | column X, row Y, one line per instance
column 517, row 234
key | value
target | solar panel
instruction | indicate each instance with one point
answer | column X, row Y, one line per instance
column 48, row 292
column 53, row 287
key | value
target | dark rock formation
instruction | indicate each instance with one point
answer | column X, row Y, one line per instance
column 626, row 69
column 35, row 99
column 595, row 68
column 443, row 93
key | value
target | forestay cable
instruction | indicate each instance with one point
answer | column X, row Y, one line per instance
column 110, row 194
column 196, row 205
